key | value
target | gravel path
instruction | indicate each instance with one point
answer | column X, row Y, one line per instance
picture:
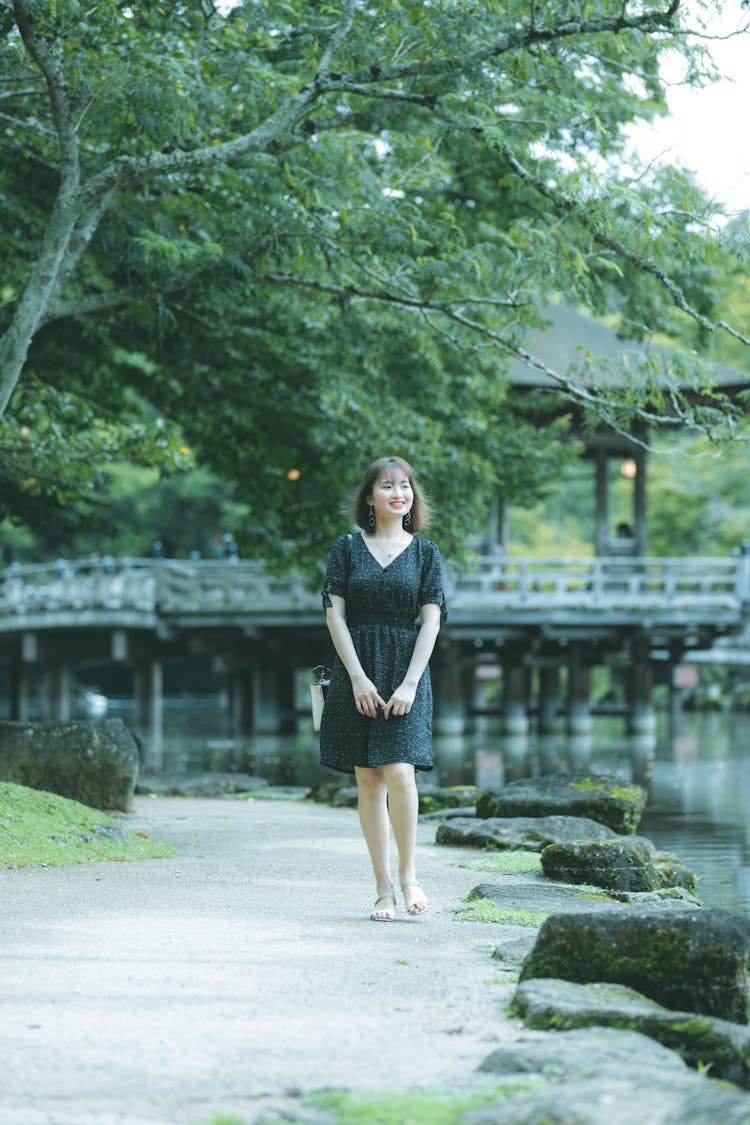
column 242, row 971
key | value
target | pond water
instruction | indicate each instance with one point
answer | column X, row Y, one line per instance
column 696, row 769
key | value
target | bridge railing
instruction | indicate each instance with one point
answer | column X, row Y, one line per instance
column 617, row 581
column 172, row 586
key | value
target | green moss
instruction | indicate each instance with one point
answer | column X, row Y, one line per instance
column 449, row 797
column 417, row 1107
column 483, row 910
column 587, row 891
column 624, row 792
column 39, row 829
column 506, row 863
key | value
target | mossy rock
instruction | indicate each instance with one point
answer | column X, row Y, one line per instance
column 93, row 763
column 673, row 872
column 687, row 959
column 522, row 833
column 345, row 797
column 600, row 797
column 701, row 1040
column 435, row 798
column 619, row 864
column 325, row 791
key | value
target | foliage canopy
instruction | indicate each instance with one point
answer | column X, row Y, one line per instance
column 288, row 236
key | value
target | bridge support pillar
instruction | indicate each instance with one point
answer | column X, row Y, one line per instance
column 20, row 691
column 641, row 714
column 515, row 691
column 580, row 719
column 273, row 697
column 241, row 716
column 149, row 702
column 449, row 695
column 550, row 721
column 56, row 692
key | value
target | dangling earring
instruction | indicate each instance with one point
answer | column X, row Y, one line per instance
column 371, row 517
column 407, row 519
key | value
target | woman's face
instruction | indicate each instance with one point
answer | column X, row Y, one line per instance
column 391, row 495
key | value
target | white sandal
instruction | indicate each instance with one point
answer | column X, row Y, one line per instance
column 411, row 907
column 383, row 915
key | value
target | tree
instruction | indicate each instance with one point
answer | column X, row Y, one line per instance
column 307, row 233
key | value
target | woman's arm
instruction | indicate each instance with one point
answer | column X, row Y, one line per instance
column 403, row 697
column 366, row 696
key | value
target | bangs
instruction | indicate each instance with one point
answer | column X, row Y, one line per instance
column 391, row 469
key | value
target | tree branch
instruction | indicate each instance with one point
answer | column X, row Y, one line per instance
column 52, row 71
column 127, row 169
column 84, row 306
column 569, row 206
column 523, row 38
column 606, row 406
column 44, row 275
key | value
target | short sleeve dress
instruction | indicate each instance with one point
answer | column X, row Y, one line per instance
column 382, row 606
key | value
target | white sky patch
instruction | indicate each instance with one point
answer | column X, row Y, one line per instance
column 705, row 129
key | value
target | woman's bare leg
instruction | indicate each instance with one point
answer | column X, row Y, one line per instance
column 373, row 817
column 403, row 808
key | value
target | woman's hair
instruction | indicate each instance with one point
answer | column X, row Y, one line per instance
column 390, row 467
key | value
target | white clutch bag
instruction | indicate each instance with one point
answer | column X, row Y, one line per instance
column 318, row 694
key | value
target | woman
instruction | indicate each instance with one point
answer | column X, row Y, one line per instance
column 377, row 720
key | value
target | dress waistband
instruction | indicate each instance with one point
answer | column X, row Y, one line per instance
column 390, row 623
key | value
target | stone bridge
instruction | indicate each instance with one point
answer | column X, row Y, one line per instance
column 539, row 624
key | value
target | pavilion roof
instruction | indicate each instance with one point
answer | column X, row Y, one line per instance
column 570, row 335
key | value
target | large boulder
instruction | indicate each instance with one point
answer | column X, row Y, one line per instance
column 520, row 833
column 626, row 1098
column 623, row 863
column 608, row 800
column 583, row 1052
column 209, row 784
column 596, row 1074
column 442, row 798
column 95, row 763
column 691, row 960
column 561, row 1005
column 540, row 896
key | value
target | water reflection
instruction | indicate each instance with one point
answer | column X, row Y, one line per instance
column 696, row 769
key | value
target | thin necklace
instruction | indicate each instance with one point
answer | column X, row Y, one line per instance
column 398, row 546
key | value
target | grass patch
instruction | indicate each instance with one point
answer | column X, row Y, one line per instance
column 415, row 1107
column 484, row 910
column 39, row 829
column 506, row 863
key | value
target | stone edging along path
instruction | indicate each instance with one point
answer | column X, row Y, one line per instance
column 633, row 994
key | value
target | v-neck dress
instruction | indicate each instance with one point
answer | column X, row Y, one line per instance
column 382, row 606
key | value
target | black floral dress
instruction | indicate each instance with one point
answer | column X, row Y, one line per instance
column 382, row 606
